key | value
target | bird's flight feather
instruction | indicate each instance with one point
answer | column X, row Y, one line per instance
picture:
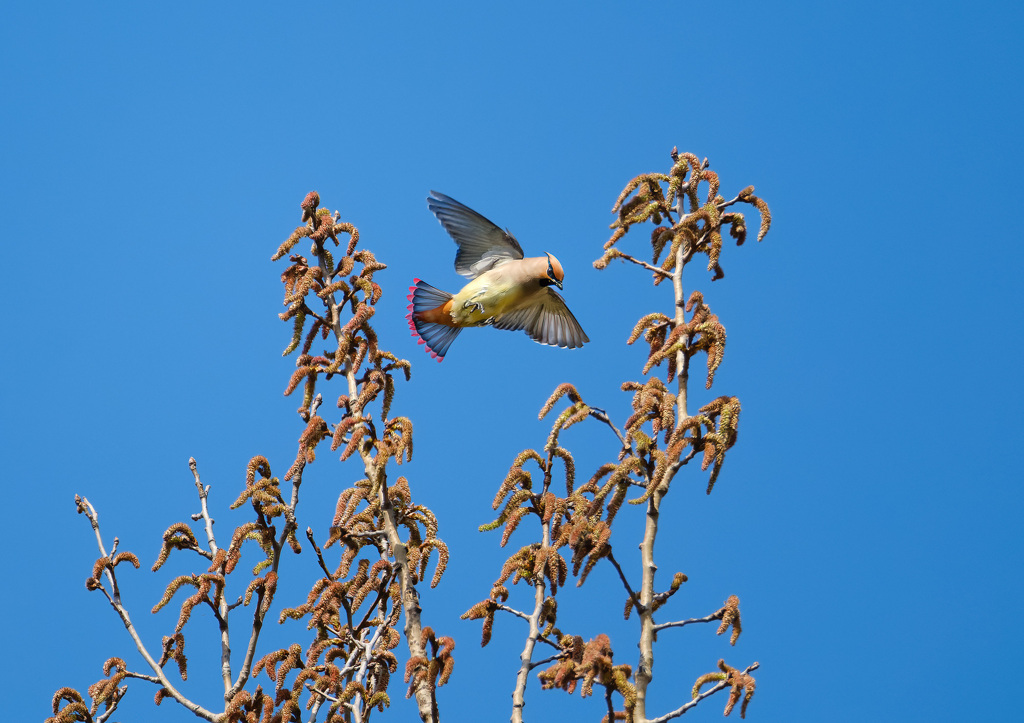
column 482, row 245
column 547, row 321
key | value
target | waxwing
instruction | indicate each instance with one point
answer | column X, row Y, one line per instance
column 506, row 291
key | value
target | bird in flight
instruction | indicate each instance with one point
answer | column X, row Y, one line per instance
column 506, row 291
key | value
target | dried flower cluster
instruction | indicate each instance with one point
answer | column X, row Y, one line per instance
column 385, row 541
column 654, row 443
column 658, row 197
column 738, row 681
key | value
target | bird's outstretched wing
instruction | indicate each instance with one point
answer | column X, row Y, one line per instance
column 481, row 243
column 547, row 320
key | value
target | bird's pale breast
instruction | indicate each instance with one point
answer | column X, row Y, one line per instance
column 489, row 295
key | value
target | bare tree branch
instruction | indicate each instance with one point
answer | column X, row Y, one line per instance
column 680, row 623
column 90, row 512
column 693, row 703
column 539, row 588
column 625, row 582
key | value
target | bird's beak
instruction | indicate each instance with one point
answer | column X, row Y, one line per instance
column 559, row 285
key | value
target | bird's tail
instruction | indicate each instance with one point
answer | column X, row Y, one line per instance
column 431, row 329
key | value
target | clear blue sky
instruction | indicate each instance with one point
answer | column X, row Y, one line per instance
column 869, row 517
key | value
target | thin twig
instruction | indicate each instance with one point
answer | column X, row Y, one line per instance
column 638, row 262
column 382, row 591
column 625, row 582
column 517, row 613
column 680, row 623
column 729, row 203
column 221, row 609
column 693, row 703
column 121, row 693
column 319, row 554
column 524, row 616
column 551, row 659
column 602, row 416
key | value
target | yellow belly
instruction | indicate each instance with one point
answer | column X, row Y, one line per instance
column 488, row 296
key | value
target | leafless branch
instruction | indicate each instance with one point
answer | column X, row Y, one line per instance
column 517, row 613
column 105, row 715
column 222, row 608
column 680, row 623
column 693, row 703
column 319, row 554
column 625, row 582
column 89, row 511
column 545, row 661
column 638, row 262
column 602, row 416
column 526, row 657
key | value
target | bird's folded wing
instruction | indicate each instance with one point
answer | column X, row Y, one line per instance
column 546, row 320
column 482, row 245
